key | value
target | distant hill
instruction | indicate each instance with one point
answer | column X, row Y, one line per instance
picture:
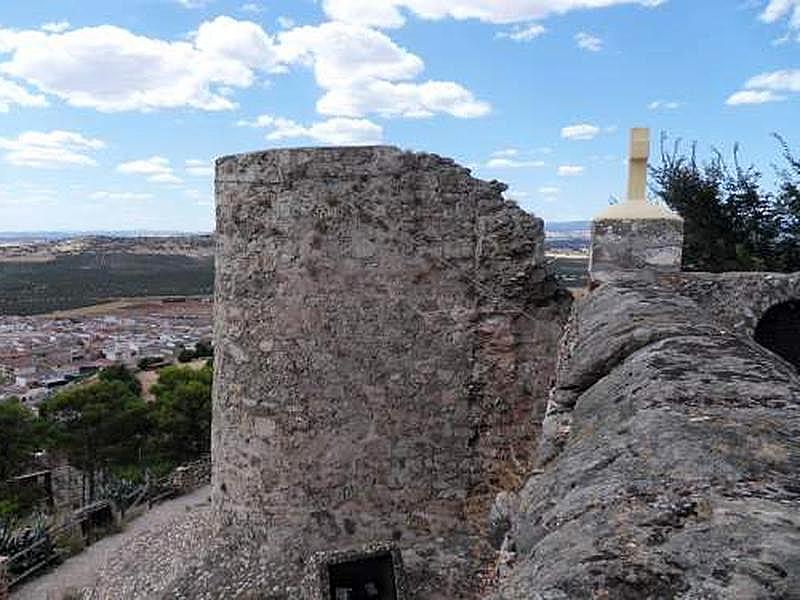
column 567, row 226
column 40, row 275
column 64, row 235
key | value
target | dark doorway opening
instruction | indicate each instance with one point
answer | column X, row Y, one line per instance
column 779, row 331
column 371, row 578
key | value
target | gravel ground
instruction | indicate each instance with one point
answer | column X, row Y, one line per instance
column 136, row 563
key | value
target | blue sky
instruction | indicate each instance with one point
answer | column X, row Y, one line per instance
column 111, row 113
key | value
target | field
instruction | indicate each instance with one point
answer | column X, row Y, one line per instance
column 88, row 278
column 572, row 271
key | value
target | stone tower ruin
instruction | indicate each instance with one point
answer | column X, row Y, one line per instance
column 386, row 331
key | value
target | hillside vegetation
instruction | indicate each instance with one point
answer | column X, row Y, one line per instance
column 96, row 273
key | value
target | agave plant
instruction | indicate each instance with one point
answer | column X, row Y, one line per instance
column 121, row 491
column 27, row 544
column 7, row 529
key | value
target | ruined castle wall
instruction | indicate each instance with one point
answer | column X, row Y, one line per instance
column 669, row 460
column 385, row 332
column 737, row 301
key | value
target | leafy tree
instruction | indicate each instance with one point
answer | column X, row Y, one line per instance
column 121, row 373
column 731, row 222
column 185, row 355
column 149, row 362
column 203, row 349
column 183, row 412
column 20, row 438
column 789, row 208
column 98, row 427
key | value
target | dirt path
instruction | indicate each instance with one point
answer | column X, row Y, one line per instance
column 81, row 571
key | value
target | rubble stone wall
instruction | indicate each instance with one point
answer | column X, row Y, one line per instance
column 386, row 333
column 192, row 476
column 737, row 301
column 635, row 246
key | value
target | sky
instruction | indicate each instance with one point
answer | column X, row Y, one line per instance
column 112, row 112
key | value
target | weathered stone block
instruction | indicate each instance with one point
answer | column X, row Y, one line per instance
column 626, row 245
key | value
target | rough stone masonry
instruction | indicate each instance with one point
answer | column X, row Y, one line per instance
column 386, row 332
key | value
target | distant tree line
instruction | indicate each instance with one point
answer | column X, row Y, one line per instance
column 106, row 430
column 202, row 349
column 732, row 223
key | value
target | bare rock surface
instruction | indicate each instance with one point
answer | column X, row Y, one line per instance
column 672, row 471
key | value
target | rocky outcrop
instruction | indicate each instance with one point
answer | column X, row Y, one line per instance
column 669, row 464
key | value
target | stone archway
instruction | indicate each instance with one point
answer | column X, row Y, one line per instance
column 779, row 331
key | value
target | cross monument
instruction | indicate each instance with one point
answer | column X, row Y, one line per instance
column 636, row 236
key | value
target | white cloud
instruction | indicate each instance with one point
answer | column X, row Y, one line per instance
column 50, row 150
column 524, row 34
column 192, row 3
column 505, row 153
column 516, row 194
column 239, row 43
column 55, row 27
column 13, row 94
column 336, row 131
column 570, row 170
column 389, row 13
column 550, row 190
column 511, row 163
column 111, row 69
column 663, row 105
column 509, row 158
column 753, row 97
column 156, row 169
column 582, row 131
column 342, row 54
column 779, row 9
column 362, row 71
column 199, row 168
column 120, row 196
column 26, row 194
column 589, row 42
column 767, row 87
column 285, row 22
column 199, row 198
column 260, row 121
column 787, row 80
column 148, row 166
column 413, row 100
